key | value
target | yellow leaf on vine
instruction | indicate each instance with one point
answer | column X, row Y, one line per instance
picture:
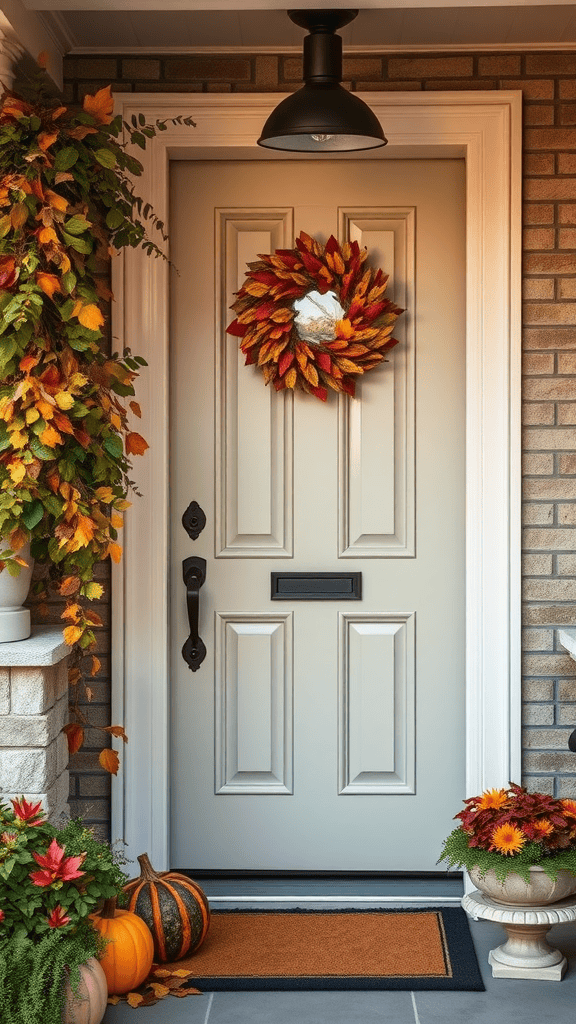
column 116, row 521
column 106, row 494
column 84, row 532
column 17, row 539
column 18, row 439
column 71, row 612
column 47, row 139
column 18, row 215
column 101, row 105
column 91, row 317
column 49, row 283
column 96, row 665
column 64, row 400
column 17, row 470
column 50, row 437
column 56, row 202
column 94, row 591
column 47, row 235
column 290, row 377
column 72, row 634
column 115, row 552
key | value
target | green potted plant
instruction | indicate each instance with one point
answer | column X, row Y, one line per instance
column 67, row 202
column 51, row 879
column 518, row 847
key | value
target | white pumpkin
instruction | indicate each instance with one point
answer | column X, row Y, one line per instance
column 88, row 1004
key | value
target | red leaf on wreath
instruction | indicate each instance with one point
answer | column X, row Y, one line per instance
column 263, row 311
column 285, row 362
column 320, row 393
column 304, row 242
column 324, row 362
column 313, row 265
column 332, row 245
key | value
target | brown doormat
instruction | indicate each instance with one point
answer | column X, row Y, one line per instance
column 336, row 949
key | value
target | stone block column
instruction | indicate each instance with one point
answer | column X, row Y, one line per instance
column 33, row 709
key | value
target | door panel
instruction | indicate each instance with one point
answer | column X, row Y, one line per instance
column 254, row 500
column 319, row 735
column 376, row 454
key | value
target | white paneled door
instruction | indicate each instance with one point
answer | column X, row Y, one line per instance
column 325, row 734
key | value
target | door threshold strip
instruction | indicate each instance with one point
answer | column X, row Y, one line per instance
column 334, row 899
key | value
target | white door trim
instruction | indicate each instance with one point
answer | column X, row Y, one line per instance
column 485, row 128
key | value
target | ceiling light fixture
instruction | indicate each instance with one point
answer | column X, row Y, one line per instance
column 322, row 117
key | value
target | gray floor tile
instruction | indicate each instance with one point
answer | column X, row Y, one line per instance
column 312, row 1008
column 506, row 1001
column 170, row 1010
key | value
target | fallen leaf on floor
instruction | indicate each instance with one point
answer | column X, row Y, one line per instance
column 152, row 990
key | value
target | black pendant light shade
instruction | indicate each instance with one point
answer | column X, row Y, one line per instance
column 322, row 117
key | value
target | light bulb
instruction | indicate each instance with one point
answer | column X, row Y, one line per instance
column 322, row 138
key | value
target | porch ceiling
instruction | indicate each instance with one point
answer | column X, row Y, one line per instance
column 146, row 25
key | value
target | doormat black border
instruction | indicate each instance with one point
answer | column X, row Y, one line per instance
column 466, row 976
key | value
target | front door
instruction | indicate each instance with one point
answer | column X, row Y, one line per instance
column 319, row 734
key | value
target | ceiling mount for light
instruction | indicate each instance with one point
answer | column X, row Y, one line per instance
column 322, row 117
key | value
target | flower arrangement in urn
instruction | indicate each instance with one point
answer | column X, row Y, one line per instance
column 517, row 846
column 50, row 881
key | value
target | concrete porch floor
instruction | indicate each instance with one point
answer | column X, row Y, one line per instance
column 503, row 1002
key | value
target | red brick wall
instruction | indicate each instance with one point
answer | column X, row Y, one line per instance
column 548, row 84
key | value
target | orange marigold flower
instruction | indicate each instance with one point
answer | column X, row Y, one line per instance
column 569, row 808
column 507, row 839
column 492, row 798
column 542, row 827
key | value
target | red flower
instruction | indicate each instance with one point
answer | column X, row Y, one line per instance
column 1, row 916
column 28, row 812
column 56, row 866
column 58, row 918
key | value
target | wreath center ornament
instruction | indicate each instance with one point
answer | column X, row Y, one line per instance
column 314, row 317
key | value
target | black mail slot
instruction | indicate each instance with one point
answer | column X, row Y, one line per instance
column 316, row 586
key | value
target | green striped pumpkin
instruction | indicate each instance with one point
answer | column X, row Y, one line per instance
column 174, row 908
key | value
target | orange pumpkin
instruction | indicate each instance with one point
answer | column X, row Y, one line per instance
column 128, row 957
column 174, row 908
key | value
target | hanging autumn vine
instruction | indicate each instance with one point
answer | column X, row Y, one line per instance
column 347, row 339
column 66, row 202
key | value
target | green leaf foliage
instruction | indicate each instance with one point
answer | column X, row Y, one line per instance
column 458, row 853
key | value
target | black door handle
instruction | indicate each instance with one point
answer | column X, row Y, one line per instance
column 194, row 573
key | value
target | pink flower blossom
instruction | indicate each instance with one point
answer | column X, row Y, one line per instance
column 58, row 918
column 56, row 866
column 2, row 915
column 31, row 813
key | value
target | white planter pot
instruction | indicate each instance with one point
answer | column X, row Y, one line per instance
column 540, row 891
column 14, row 619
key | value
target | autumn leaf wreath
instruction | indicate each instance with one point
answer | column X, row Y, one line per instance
column 266, row 317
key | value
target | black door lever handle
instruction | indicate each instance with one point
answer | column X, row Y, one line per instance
column 194, row 573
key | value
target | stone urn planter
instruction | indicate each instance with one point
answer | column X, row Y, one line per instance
column 14, row 619
column 540, row 891
column 88, row 1004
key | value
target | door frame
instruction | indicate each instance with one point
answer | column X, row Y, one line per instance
column 485, row 129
